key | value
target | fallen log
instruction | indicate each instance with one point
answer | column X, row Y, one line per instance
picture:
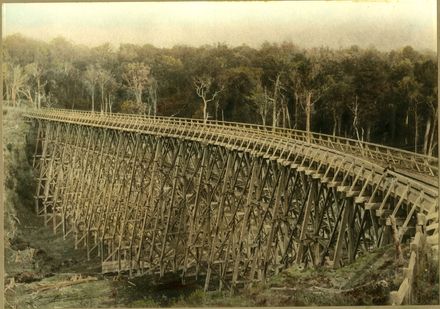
column 74, row 280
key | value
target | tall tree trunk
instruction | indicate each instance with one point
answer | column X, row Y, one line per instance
column 14, row 97
column 416, row 128
column 109, row 104
column 205, row 111
column 38, row 94
column 393, row 123
column 308, row 114
column 93, row 100
column 283, row 119
column 289, row 124
column 433, row 131
column 296, row 109
column 36, row 99
column 275, row 99
column 155, row 103
column 406, row 127
column 339, row 124
column 274, row 116
column 355, row 119
column 426, row 136
column 335, row 122
column 102, row 98
column 141, row 107
column 7, row 92
column 368, row 132
column 28, row 96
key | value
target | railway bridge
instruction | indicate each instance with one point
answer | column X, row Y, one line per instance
column 234, row 203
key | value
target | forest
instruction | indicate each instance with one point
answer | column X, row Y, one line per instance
column 386, row 97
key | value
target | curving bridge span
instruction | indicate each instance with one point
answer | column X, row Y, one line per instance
column 234, row 203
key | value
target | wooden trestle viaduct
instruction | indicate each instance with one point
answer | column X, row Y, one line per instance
column 234, row 203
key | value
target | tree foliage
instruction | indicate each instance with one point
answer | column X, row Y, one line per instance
column 385, row 97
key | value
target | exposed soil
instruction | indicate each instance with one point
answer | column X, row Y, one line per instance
column 43, row 270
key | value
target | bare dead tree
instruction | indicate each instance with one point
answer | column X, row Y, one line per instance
column 104, row 79
column 17, row 79
column 152, row 96
column 216, row 106
column 36, row 71
column 112, row 86
column 355, row 111
column 275, row 100
column 309, row 103
column 137, row 77
column 90, row 80
column 308, row 92
column 284, row 112
column 429, row 142
column 203, row 86
column 262, row 101
column 276, row 92
column 26, row 92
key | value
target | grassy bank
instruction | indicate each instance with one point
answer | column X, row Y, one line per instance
column 33, row 254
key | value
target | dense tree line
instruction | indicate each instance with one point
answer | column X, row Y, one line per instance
column 384, row 97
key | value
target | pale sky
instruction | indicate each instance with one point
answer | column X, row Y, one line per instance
column 386, row 25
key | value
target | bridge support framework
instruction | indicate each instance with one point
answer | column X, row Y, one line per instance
column 155, row 204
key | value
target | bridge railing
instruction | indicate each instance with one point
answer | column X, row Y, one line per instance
column 224, row 130
column 395, row 157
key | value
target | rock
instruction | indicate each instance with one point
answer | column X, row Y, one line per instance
column 19, row 244
column 40, row 253
column 27, row 277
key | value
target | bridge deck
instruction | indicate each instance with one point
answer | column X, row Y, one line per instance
column 421, row 166
column 405, row 167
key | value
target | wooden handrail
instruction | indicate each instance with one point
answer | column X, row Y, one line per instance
column 249, row 133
